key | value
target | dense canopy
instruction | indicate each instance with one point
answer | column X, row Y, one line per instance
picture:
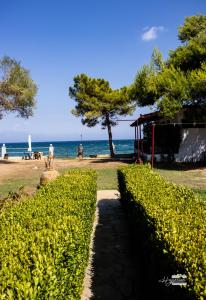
column 17, row 89
column 97, row 102
column 181, row 79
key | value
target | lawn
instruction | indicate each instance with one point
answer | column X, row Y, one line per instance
column 14, row 184
column 200, row 193
column 193, row 178
column 107, row 180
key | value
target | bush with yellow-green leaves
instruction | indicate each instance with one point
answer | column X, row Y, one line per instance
column 173, row 215
column 44, row 240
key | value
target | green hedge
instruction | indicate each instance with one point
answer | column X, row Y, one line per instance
column 44, row 241
column 176, row 218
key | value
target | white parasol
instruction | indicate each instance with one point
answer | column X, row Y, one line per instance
column 29, row 143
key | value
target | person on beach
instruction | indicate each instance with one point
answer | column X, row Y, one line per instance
column 3, row 151
column 114, row 148
column 50, row 158
column 51, row 151
column 80, row 151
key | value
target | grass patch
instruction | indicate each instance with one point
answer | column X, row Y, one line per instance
column 107, row 179
column 191, row 178
column 200, row 193
column 14, row 184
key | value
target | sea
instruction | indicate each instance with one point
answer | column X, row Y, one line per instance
column 68, row 149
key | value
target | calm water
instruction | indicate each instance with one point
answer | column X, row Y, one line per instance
column 68, row 149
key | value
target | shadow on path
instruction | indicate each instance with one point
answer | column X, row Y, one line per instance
column 117, row 160
column 114, row 275
column 175, row 166
column 120, row 265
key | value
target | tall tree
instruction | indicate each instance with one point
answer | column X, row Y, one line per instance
column 97, row 102
column 145, row 89
column 192, row 27
column 181, row 79
column 17, row 89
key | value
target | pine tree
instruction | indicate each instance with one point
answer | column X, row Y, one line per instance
column 97, row 102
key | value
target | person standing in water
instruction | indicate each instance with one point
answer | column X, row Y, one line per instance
column 51, row 151
column 80, row 151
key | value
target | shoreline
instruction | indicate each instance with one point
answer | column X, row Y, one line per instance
column 87, row 158
column 120, row 156
column 96, row 149
column 65, row 141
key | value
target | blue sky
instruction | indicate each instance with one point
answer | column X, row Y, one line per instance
column 57, row 40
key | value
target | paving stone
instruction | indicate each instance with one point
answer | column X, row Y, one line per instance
column 113, row 270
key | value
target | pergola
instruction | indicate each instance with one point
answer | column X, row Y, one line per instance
column 152, row 117
column 155, row 119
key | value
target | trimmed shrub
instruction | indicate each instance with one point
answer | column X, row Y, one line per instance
column 175, row 221
column 44, row 240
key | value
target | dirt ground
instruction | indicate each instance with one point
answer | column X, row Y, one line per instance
column 14, row 169
column 30, row 170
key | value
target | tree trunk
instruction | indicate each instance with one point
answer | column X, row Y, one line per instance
column 109, row 128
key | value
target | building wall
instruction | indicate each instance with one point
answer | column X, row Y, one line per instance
column 193, row 145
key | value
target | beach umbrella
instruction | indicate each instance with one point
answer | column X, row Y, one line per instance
column 29, row 143
column 3, row 151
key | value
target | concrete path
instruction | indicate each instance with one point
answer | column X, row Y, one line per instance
column 111, row 273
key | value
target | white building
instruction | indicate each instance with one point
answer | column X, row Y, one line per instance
column 177, row 139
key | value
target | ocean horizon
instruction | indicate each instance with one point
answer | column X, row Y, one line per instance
column 63, row 149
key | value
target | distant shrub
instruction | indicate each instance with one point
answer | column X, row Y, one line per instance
column 174, row 218
column 44, row 240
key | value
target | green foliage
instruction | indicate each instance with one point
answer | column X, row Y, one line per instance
column 197, row 86
column 44, row 241
column 144, row 89
column 107, row 179
column 201, row 193
column 192, row 53
column 176, row 216
column 173, row 87
column 97, row 102
column 189, row 56
column 173, row 83
column 96, row 99
column 14, row 184
column 17, row 89
column 180, row 80
column 157, row 63
column 193, row 26
column 169, row 106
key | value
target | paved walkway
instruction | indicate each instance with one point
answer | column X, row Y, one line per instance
column 111, row 274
